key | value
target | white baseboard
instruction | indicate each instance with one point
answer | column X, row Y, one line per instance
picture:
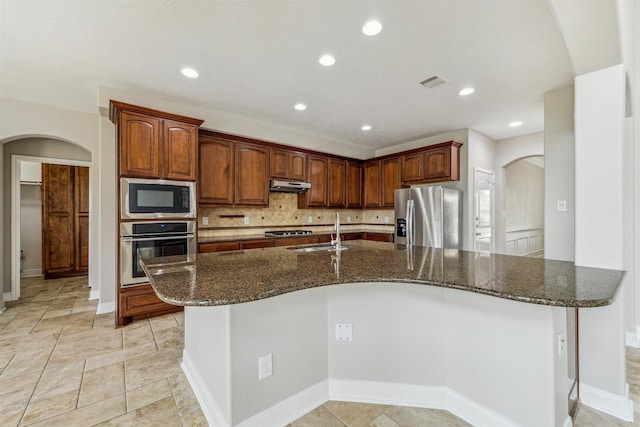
column 32, row 272
column 632, row 339
column 7, row 296
column 210, row 409
column 93, row 294
column 436, row 397
column 609, row 403
column 105, row 307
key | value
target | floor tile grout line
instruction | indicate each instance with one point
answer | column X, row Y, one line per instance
column 335, row 415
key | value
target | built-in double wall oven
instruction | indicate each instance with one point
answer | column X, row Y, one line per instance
column 158, row 219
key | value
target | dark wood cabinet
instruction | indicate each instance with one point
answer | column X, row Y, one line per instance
column 153, row 144
column 354, row 185
column 139, row 302
column 65, row 220
column 435, row 163
column 285, row 164
column 390, row 181
column 413, row 167
column 317, row 196
column 371, row 184
column 337, row 185
column 216, row 173
column 219, row 246
column 252, row 177
column 438, row 164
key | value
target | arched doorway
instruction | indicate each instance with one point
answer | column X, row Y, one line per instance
column 523, row 207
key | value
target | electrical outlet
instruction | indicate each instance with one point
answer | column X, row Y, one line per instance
column 265, row 366
column 205, row 220
column 348, row 218
column 560, row 345
column 344, row 332
column 562, row 205
column 246, row 220
column 310, row 220
column 386, row 219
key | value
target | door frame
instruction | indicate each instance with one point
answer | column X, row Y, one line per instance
column 493, row 208
column 16, row 168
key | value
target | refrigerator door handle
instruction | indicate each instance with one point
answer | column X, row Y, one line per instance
column 410, row 218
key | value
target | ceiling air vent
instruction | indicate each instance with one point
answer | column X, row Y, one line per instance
column 433, row 82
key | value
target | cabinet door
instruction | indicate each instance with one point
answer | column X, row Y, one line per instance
column 371, row 185
column 278, row 163
column 438, row 164
column 180, row 150
column 390, row 181
column 297, row 166
column 318, row 194
column 252, row 175
column 81, row 213
column 337, row 183
column 139, row 138
column 354, row 185
column 412, row 167
column 57, row 219
column 216, row 171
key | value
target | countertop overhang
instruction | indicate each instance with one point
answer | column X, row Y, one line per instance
column 236, row 277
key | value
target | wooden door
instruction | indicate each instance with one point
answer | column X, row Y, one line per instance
column 252, row 175
column 354, row 185
column 438, row 164
column 139, row 137
column 297, row 166
column 180, row 150
column 216, row 173
column 57, row 220
column 390, row 181
column 337, row 183
column 412, row 167
column 81, row 218
column 317, row 196
column 371, row 184
column 278, row 163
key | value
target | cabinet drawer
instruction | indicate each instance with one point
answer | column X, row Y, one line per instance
column 293, row 241
column 378, row 237
column 257, row 244
column 141, row 300
column 218, row 247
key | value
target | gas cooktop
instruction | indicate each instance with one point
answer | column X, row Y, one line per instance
column 280, row 233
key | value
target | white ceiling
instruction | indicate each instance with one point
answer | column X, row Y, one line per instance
column 258, row 58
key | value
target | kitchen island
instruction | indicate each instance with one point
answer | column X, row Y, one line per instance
column 482, row 335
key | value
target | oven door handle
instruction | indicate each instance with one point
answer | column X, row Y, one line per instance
column 148, row 239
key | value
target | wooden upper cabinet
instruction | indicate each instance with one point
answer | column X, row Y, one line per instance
column 390, row 181
column 216, row 171
column 337, row 185
column 438, row 164
column 317, row 196
column 154, row 144
column 371, row 184
column 139, row 138
column 252, row 175
column 180, row 150
column 412, row 167
column 285, row 164
column 354, row 185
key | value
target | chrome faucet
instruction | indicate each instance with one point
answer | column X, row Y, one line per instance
column 337, row 242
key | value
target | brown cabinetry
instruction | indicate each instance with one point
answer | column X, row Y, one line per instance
column 252, row 177
column 153, row 144
column 285, row 164
column 354, row 185
column 317, row 196
column 435, row 163
column 371, row 184
column 216, row 173
column 65, row 220
column 390, row 181
column 141, row 302
column 337, row 185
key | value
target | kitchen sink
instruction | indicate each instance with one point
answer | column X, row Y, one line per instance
column 316, row 248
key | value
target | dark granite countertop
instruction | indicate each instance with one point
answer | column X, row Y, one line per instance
column 241, row 276
column 234, row 238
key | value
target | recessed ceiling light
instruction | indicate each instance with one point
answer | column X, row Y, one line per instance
column 190, row 72
column 300, row 107
column 366, row 127
column 372, row 28
column 327, row 60
column 515, row 124
column 466, row 91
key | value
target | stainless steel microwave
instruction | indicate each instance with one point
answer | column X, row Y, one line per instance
column 157, row 198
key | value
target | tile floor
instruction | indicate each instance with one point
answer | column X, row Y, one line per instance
column 63, row 365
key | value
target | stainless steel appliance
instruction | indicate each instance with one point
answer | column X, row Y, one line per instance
column 151, row 239
column 281, row 233
column 279, row 186
column 429, row 216
column 157, row 198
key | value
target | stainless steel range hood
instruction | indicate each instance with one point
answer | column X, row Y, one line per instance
column 289, row 186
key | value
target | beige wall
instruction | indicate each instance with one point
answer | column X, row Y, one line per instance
column 30, row 229
column 523, row 196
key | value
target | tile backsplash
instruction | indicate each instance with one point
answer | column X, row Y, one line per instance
column 283, row 212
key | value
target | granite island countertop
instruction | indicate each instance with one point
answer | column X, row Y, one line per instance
column 241, row 276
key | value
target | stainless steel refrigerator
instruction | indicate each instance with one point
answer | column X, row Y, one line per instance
column 429, row 216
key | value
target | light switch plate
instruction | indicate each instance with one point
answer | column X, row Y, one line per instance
column 205, row 220
column 562, row 205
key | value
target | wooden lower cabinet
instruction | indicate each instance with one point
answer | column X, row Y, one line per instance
column 218, row 247
column 140, row 302
column 378, row 237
